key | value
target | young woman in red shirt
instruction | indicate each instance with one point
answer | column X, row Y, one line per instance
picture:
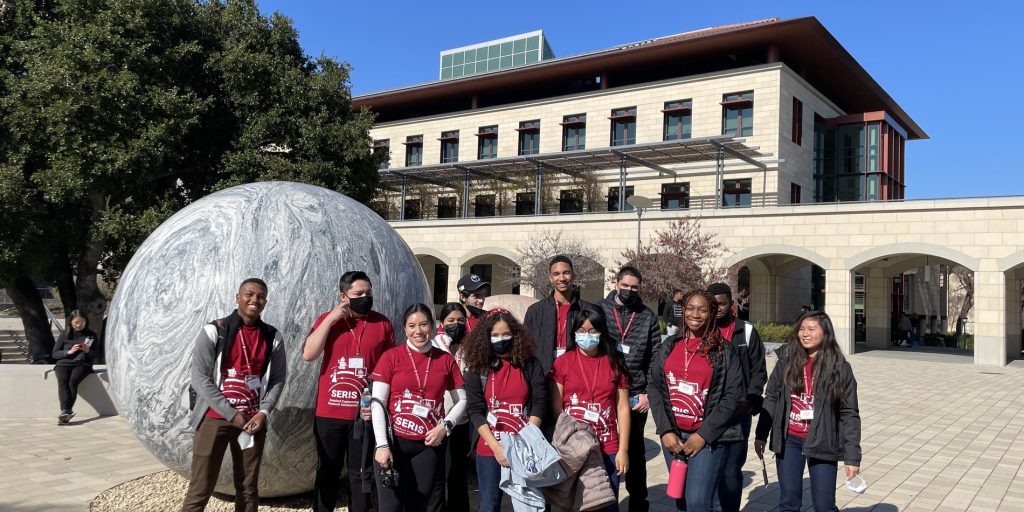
column 451, row 336
column 592, row 386
column 810, row 409
column 505, row 389
column 411, row 379
column 695, row 388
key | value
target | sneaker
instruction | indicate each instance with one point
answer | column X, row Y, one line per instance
column 65, row 417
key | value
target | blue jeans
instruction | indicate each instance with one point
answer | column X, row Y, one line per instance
column 488, row 473
column 703, row 473
column 790, row 466
column 613, row 478
column 730, row 489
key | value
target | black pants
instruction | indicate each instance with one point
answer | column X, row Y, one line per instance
column 68, row 378
column 636, row 477
column 420, row 478
column 336, row 446
column 458, row 467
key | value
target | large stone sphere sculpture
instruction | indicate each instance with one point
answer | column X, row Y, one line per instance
column 299, row 239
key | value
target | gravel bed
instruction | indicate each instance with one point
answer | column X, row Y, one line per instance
column 164, row 491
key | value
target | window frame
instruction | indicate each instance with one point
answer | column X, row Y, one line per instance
column 737, row 192
column 529, row 130
column 613, row 198
column 736, row 103
column 683, row 196
column 797, row 134
column 449, row 146
column 576, row 124
column 492, row 204
column 487, row 138
column 626, row 119
column 683, row 109
column 413, row 147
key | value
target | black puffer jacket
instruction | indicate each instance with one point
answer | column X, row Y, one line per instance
column 643, row 337
column 721, row 405
column 835, row 429
column 751, row 355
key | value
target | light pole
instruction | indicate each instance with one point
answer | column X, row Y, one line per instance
column 639, row 204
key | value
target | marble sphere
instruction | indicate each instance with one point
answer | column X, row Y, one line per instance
column 299, row 239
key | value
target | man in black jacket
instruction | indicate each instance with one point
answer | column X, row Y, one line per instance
column 750, row 351
column 550, row 320
column 635, row 329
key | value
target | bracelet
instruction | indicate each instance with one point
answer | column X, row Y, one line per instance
column 382, row 446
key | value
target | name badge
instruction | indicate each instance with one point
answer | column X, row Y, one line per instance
column 591, row 416
column 355, row 363
column 688, row 388
column 492, row 419
column 623, row 348
column 253, row 382
column 420, row 411
column 559, row 352
column 807, row 414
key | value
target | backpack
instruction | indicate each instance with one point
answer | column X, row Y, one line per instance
column 222, row 332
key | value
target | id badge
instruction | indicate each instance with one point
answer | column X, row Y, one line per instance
column 559, row 352
column 591, row 416
column 253, row 382
column 492, row 419
column 624, row 348
column 807, row 414
column 688, row 388
column 355, row 363
column 420, row 411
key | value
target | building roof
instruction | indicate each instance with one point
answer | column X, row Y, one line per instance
column 801, row 43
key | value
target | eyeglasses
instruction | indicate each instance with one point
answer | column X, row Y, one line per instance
column 591, row 331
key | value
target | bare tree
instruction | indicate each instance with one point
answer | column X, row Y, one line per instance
column 680, row 256
column 962, row 294
column 535, row 253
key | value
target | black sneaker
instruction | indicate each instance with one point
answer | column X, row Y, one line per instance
column 65, row 417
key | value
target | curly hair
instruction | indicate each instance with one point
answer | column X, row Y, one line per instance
column 476, row 346
column 711, row 339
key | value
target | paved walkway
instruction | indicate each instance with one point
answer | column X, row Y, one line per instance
column 938, row 436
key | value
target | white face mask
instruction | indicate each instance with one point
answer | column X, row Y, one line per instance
column 859, row 487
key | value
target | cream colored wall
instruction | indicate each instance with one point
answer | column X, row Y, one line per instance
column 797, row 167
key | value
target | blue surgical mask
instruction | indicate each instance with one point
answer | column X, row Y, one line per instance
column 587, row 341
column 501, row 345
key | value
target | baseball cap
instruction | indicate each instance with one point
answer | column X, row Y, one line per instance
column 471, row 283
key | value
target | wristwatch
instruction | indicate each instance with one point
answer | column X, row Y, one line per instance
column 448, row 427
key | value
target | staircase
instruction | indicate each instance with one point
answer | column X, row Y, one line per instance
column 13, row 347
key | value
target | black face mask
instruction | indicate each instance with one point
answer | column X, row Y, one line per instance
column 455, row 331
column 474, row 311
column 361, row 305
column 628, row 297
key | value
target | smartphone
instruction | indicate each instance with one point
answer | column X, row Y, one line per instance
column 88, row 341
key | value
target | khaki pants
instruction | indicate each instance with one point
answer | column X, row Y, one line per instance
column 208, row 445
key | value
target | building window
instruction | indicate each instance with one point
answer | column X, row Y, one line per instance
column 440, row 283
column 570, row 201
column 736, row 193
column 484, row 205
column 412, row 209
column 675, row 196
column 525, row 203
column 623, row 126
column 678, row 119
column 383, row 146
column 449, row 147
column 487, row 145
column 447, row 207
column 738, row 114
column 529, row 137
column 613, row 199
column 798, row 122
column 574, row 132
column 794, row 193
column 413, row 150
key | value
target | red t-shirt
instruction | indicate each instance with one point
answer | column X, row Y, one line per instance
column 688, row 375
column 246, row 358
column 561, row 317
column 728, row 330
column 506, row 396
column 798, row 403
column 352, row 349
column 589, row 387
column 418, row 384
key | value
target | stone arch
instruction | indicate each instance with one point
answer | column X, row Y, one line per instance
column 428, row 251
column 776, row 249
column 882, row 251
column 782, row 279
column 1011, row 262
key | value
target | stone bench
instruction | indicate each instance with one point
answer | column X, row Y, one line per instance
column 30, row 391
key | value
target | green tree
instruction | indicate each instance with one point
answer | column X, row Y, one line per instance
column 116, row 113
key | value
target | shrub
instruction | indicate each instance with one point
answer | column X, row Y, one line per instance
column 774, row 333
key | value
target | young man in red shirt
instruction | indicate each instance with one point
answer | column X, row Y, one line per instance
column 473, row 291
column 351, row 337
column 234, row 396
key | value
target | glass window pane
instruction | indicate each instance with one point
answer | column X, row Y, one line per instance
column 446, row 73
column 481, row 54
column 519, row 46
column 533, row 43
column 457, row 59
column 532, row 56
column 457, row 71
column 506, row 62
column 493, row 51
column 446, row 61
column 519, row 59
column 492, row 64
column 469, row 68
column 470, row 56
column 506, row 48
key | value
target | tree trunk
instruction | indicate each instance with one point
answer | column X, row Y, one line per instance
column 87, row 290
column 65, row 282
column 26, row 297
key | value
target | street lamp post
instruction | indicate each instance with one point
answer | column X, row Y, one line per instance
column 639, row 204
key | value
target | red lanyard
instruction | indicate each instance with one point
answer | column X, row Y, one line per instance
column 687, row 357
column 809, row 381
column 245, row 351
column 560, row 329
column 352, row 331
column 623, row 333
column 586, row 380
column 423, row 384
column 494, row 390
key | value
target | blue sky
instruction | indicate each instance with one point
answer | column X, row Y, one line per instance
column 955, row 67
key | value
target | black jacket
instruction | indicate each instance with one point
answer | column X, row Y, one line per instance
column 536, row 385
column 721, row 405
column 66, row 341
column 835, row 429
column 751, row 356
column 673, row 313
column 643, row 337
column 540, row 320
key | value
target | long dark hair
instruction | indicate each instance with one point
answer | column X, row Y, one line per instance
column 711, row 339
column 606, row 345
column 828, row 363
column 477, row 354
column 419, row 307
column 69, row 331
column 447, row 310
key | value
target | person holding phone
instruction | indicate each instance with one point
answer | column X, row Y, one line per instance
column 74, row 362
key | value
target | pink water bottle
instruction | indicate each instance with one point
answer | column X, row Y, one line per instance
column 677, row 477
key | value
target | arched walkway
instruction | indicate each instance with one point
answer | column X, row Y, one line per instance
column 1013, row 268
column 436, row 271
column 494, row 267
column 780, row 283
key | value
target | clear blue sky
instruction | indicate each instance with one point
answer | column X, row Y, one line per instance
column 955, row 67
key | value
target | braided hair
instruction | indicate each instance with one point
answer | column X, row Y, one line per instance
column 711, row 339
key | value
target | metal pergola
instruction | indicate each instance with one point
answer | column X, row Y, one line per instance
column 656, row 156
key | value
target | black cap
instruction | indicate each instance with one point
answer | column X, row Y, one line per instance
column 471, row 283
